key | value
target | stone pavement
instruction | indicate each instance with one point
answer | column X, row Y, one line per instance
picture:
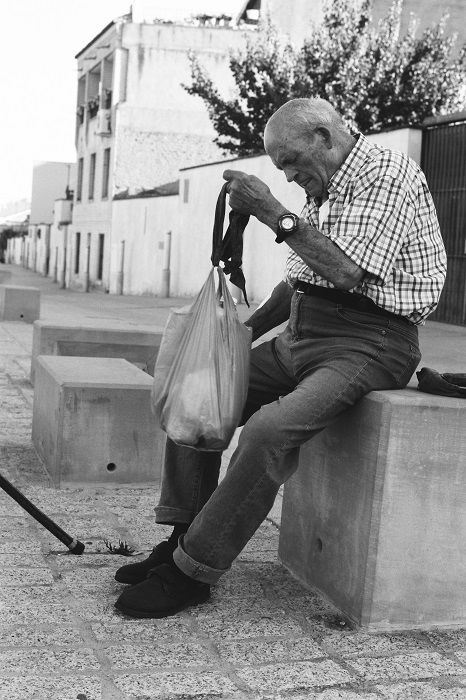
column 261, row 637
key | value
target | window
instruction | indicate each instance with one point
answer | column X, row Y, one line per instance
column 105, row 173
column 100, row 259
column 77, row 251
column 81, row 107
column 92, row 176
column 185, row 191
column 79, row 188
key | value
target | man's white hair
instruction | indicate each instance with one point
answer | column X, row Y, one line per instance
column 308, row 113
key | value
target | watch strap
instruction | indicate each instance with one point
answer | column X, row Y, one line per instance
column 282, row 234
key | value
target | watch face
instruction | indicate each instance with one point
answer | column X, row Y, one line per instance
column 287, row 223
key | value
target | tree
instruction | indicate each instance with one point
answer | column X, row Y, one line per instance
column 373, row 76
column 264, row 76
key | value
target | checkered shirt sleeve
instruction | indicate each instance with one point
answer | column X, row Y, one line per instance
column 383, row 218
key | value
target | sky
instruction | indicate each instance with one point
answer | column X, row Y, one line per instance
column 38, row 42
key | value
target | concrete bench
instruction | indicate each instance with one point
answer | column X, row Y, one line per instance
column 138, row 346
column 92, row 421
column 375, row 516
column 19, row 303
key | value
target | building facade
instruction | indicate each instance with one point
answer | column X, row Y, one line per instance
column 296, row 17
column 50, row 181
column 136, row 126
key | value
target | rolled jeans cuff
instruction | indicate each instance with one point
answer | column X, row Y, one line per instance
column 165, row 515
column 193, row 569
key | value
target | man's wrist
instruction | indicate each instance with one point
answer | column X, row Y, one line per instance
column 272, row 214
column 287, row 225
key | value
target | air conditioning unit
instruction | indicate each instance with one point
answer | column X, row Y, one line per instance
column 104, row 121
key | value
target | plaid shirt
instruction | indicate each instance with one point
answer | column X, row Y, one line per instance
column 382, row 216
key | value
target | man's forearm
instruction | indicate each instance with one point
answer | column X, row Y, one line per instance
column 273, row 312
column 249, row 195
column 319, row 253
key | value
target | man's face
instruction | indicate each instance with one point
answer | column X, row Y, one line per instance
column 306, row 159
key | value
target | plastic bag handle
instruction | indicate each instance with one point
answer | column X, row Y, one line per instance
column 217, row 234
column 229, row 249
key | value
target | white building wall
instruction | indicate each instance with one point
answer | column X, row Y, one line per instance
column 49, row 182
column 142, row 224
column 295, row 18
column 91, row 216
column 159, row 127
column 156, row 126
column 407, row 141
column 263, row 259
column 62, row 214
column 14, row 252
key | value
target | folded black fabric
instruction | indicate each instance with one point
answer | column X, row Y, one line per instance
column 432, row 382
column 229, row 248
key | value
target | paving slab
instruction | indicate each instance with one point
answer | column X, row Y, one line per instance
column 262, row 636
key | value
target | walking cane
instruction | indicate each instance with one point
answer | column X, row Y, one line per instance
column 74, row 545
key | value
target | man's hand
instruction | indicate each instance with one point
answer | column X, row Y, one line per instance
column 272, row 312
column 249, row 195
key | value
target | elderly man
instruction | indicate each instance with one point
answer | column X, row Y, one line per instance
column 366, row 266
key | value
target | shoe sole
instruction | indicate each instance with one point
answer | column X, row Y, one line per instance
column 165, row 613
column 133, row 582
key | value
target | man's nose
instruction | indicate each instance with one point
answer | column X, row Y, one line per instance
column 290, row 174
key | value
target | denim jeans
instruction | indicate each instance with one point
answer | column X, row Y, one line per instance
column 327, row 358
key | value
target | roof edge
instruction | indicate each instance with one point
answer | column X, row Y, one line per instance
column 445, row 118
column 225, row 160
column 97, row 36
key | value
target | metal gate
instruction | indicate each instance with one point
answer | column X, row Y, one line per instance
column 444, row 164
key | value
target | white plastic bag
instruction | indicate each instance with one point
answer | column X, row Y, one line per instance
column 202, row 371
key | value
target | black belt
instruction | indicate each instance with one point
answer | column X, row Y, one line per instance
column 350, row 299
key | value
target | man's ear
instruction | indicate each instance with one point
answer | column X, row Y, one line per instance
column 325, row 135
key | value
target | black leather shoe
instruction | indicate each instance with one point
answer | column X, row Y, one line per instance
column 164, row 592
column 135, row 573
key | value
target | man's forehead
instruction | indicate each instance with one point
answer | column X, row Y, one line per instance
column 277, row 129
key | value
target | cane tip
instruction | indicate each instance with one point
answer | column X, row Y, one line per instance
column 76, row 547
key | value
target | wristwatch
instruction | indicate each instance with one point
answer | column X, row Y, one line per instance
column 287, row 224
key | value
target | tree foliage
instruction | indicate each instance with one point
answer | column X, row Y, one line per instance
column 375, row 77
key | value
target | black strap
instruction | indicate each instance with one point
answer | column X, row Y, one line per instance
column 229, row 248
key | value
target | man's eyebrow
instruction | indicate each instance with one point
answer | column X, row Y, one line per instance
column 289, row 158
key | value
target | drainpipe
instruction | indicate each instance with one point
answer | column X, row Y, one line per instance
column 166, row 265
column 120, row 274
column 34, row 252
column 88, row 263
column 62, row 284
column 46, row 261
column 55, row 267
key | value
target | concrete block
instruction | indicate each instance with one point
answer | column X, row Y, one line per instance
column 93, row 423
column 5, row 276
column 375, row 516
column 19, row 303
column 138, row 346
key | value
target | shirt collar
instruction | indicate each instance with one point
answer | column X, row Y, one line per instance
column 352, row 165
